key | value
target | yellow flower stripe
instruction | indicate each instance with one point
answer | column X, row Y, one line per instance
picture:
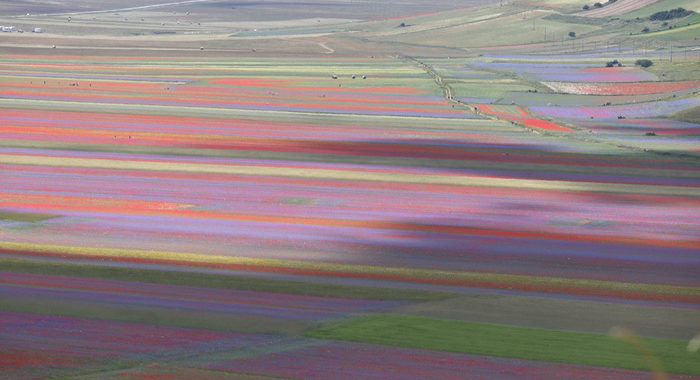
column 350, row 175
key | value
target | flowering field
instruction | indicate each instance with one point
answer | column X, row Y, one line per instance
column 572, row 72
column 168, row 216
column 634, row 88
column 295, row 89
column 639, row 110
column 34, row 345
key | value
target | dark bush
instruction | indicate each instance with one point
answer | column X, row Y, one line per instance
column 644, row 62
column 645, row 30
column 572, row 34
column 668, row 15
column 586, row 7
column 598, row 5
column 613, row 63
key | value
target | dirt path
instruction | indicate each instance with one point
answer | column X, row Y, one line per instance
column 328, row 49
column 446, row 89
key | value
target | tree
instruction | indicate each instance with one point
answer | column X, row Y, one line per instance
column 598, row 5
column 586, row 7
column 643, row 62
column 572, row 34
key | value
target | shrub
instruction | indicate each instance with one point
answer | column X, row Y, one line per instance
column 613, row 63
column 644, row 62
column 645, row 30
column 598, row 5
column 586, row 7
column 572, row 34
column 667, row 15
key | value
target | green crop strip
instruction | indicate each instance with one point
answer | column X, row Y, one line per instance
column 25, row 216
column 511, row 341
column 211, row 280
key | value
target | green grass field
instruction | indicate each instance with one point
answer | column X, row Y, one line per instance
column 525, row 28
column 510, row 341
column 24, row 216
column 691, row 115
column 664, row 5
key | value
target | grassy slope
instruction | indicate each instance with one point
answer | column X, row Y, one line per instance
column 509, row 341
column 663, row 6
column 677, row 34
column 677, row 70
column 694, row 19
column 505, row 30
column 691, row 115
column 563, row 5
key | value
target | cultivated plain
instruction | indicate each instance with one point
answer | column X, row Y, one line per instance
column 349, row 189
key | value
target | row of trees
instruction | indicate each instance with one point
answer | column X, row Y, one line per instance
column 639, row 62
